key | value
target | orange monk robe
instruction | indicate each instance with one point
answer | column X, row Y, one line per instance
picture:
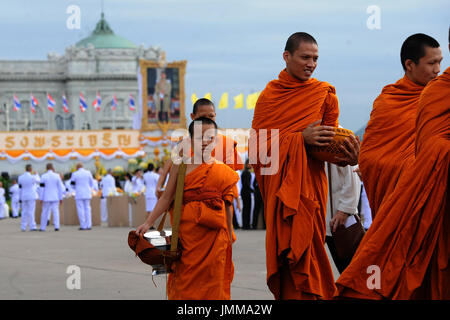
column 295, row 196
column 205, row 270
column 412, row 246
column 226, row 152
column 388, row 144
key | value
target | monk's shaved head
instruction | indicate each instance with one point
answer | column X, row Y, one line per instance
column 201, row 102
column 414, row 48
column 293, row 42
column 203, row 121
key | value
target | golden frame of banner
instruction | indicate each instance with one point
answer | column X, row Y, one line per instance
column 163, row 96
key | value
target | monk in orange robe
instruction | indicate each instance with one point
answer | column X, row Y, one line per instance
column 224, row 151
column 388, row 144
column 295, row 191
column 205, row 269
column 411, row 249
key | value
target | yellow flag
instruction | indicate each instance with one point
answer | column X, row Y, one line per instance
column 239, row 101
column 208, row 96
column 223, row 104
column 251, row 100
column 194, row 98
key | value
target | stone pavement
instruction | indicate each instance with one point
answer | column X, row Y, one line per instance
column 34, row 265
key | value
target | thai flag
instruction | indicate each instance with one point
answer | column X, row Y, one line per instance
column 17, row 104
column 131, row 103
column 83, row 104
column 97, row 102
column 64, row 104
column 34, row 103
column 114, row 103
column 50, row 103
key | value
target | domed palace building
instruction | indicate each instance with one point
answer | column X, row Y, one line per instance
column 84, row 105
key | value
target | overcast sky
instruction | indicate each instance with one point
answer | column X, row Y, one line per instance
column 236, row 45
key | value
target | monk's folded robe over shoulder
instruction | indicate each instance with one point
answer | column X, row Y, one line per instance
column 412, row 247
column 226, row 149
column 226, row 152
column 295, row 195
column 388, row 143
column 205, row 269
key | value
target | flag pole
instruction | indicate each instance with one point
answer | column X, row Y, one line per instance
column 31, row 118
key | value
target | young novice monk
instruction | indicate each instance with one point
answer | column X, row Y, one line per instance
column 205, row 269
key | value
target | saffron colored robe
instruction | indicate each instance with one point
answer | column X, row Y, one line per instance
column 226, row 152
column 205, row 269
column 388, row 144
column 412, row 247
column 295, row 195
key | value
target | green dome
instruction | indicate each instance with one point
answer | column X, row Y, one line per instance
column 104, row 38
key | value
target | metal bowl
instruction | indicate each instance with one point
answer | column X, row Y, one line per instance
column 161, row 241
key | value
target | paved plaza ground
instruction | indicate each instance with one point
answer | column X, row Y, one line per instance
column 34, row 265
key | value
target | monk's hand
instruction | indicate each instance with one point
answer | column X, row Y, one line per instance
column 143, row 228
column 350, row 149
column 317, row 135
column 339, row 219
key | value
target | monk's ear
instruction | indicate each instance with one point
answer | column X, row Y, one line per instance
column 192, row 116
column 286, row 55
column 409, row 65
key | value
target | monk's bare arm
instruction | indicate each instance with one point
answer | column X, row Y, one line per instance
column 317, row 135
column 162, row 178
column 163, row 203
column 229, row 212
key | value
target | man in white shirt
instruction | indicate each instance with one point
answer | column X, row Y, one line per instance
column 345, row 188
column 28, row 195
column 83, row 184
column 137, row 182
column 14, row 193
column 108, row 186
column 2, row 202
column 150, row 181
column 51, row 193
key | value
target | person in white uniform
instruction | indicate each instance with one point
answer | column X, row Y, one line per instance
column 28, row 195
column 150, row 181
column 51, row 192
column 137, row 182
column 108, row 186
column 2, row 202
column 14, row 193
column 345, row 188
column 83, row 184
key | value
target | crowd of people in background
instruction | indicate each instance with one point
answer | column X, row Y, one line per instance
column 18, row 195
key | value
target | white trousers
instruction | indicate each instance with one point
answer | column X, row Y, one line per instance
column 47, row 207
column 28, row 207
column 104, row 209
column 15, row 206
column 150, row 204
column 238, row 212
column 2, row 210
column 84, row 213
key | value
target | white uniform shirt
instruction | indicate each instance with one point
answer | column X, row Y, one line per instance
column 14, row 192
column 84, row 184
column 138, row 184
column 346, row 188
column 52, row 188
column 28, row 185
column 2, row 198
column 150, row 181
column 108, row 185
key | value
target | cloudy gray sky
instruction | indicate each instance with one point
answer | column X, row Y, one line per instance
column 236, row 45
